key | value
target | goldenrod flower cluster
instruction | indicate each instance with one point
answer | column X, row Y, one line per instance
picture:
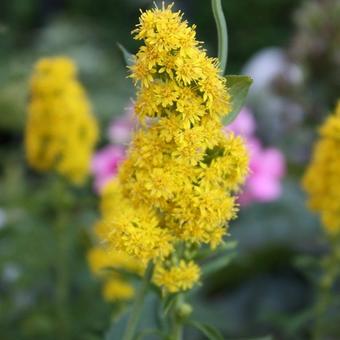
column 61, row 131
column 106, row 262
column 321, row 180
column 177, row 187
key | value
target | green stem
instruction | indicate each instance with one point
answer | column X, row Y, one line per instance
column 324, row 300
column 63, row 237
column 222, row 33
column 177, row 326
column 178, row 331
column 62, row 281
column 325, row 297
column 138, row 304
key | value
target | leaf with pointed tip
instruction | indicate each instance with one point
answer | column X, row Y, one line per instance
column 218, row 263
column 117, row 327
column 128, row 57
column 209, row 331
column 169, row 302
column 225, row 246
column 123, row 272
column 238, row 86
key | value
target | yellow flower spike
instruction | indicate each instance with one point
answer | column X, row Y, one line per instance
column 321, row 180
column 178, row 183
column 61, row 131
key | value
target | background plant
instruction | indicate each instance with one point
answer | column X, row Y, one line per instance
column 270, row 283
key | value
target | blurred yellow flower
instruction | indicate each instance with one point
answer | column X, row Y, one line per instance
column 100, row 258
column 105, row 263
column 177, row 278
column 116, row 289
column 61, row 131
column 322, row 178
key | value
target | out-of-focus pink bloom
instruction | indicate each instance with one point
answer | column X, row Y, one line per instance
column 254, row 147
column 120, row 132
column 260, row 188
column 267, row 165
column 105, row 164
column 244, row 124
column 106, row 161
column 271, row 162
column 121, row 129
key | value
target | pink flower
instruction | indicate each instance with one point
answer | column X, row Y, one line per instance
column 105, row 164
column 244, row 124
column 271, row 162
column 267, row 165
column 121, row 129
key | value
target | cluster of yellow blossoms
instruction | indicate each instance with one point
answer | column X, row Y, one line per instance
column 322, row 179
column 176, row 190
column 61, row 131
column 105, row 262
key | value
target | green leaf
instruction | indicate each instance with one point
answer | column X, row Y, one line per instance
column 209, row 331
column 228, row 245
column 117, row 327
column 169, row 302
column 225, row 246
column 141, row 335
column 128, row 275
column 128, row 57
column 238, row 88
column 217, row 264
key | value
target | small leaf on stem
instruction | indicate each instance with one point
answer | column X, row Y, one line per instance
column 209, row 331
column 238, row 86
column 128, row 57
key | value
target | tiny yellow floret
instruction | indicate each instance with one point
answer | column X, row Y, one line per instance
column 177, row 278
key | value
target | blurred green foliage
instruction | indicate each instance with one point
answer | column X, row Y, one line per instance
column 263, row 291
column 252, row 25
